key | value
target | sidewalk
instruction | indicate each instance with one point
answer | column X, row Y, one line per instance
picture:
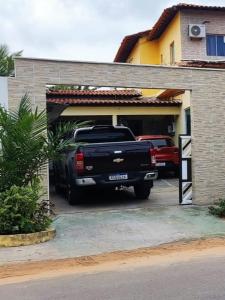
column 91, row 233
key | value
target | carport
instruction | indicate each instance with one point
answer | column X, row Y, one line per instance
column 206, row 88
column 144, row 115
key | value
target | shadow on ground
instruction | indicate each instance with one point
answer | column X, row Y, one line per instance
column 164, row 193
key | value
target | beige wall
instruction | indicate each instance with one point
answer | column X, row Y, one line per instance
column 207, row 103
column 196, row 49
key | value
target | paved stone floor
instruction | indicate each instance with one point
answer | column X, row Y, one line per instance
column 116, row 221
column 94, row 232
column 164, row 193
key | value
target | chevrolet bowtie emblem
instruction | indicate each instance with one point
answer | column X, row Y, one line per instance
column 118, row 160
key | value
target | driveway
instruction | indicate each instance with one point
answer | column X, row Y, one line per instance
column 164, row 193
column 103, row 231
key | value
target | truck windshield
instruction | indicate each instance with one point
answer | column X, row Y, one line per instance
column 162, row 143
column 102, row 135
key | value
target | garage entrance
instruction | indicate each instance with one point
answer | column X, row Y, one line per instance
column 207, row 97
column 157, row 117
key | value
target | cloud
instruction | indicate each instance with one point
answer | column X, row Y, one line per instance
column 76, row 29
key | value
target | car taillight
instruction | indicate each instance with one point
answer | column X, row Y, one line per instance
column 79, row 162
column 153, row 159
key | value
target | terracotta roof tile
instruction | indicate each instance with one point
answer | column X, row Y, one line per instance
column 127, row 45
column 202, row 64
column 137, row 102
column 94, row 93
column 169, row 13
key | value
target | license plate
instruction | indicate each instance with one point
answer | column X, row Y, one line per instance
column 160, row 164
column 118, row 177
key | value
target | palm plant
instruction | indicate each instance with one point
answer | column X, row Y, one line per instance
column 6, row 60
column 25, row 145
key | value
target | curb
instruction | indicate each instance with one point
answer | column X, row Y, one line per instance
column 24, row 239
column 28, row 270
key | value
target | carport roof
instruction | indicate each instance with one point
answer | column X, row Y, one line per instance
column 108, row 93
column 152, row 101
column 202, row 64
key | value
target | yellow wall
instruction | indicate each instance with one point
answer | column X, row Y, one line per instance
column 152, row 52
column 135, row 55
column 145, row 52
column 171, row 34
column 119, row 110
column 149, row 51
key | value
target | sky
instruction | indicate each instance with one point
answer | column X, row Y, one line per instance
column 87, row 30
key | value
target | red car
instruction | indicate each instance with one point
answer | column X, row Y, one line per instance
column 165, row 152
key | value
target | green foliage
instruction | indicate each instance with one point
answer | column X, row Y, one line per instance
column 20, row 211
column 59, row 138
column 71, row 87
column 25, row 145
column 218, row 209
column 6, row 61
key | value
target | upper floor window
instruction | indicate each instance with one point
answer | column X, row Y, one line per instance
column 172, row 53
column 215, row 45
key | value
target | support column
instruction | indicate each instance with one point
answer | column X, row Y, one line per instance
column 114, row 120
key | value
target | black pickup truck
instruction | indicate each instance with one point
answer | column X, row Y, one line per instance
column 106, row 157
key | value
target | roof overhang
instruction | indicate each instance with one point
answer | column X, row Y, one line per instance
column 170, row 12
column 128, row 44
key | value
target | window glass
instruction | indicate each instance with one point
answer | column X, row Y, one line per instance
column 220, row 45
column 103, row 135
column 162, row 143
column 215, row 45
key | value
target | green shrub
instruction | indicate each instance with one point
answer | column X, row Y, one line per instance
column 218, row 209
column 21, row 211
column 25, row 149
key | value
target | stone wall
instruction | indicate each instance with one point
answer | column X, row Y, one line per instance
column 207, row 91
column 196, row 49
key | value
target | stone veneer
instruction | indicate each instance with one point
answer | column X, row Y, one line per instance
column 207, row 104
column 196, row 49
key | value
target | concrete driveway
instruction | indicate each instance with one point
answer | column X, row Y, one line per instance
column 103, row 231
column 164, row 193
column 108, row 222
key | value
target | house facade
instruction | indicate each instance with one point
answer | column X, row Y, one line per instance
column 184, row 35
column 170, row 40
column 207, row 122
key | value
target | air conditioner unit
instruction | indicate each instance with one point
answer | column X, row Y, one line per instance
column 197, row 31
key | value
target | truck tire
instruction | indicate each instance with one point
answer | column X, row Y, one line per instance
column 142, row 190
column 73, row 194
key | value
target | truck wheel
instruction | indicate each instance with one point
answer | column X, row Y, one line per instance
column 73, row 194
column 142, row 190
